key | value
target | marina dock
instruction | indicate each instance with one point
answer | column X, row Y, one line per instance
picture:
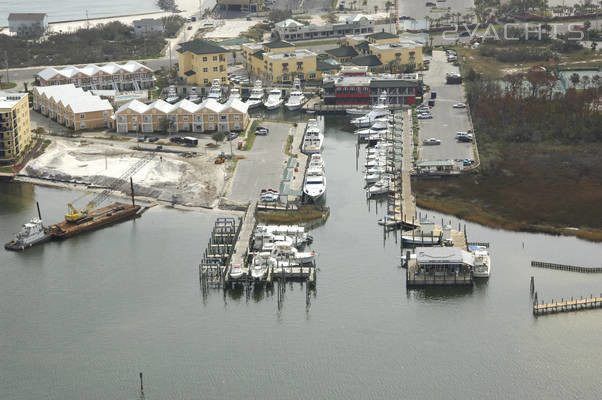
column 563, row 267
column 566, row 305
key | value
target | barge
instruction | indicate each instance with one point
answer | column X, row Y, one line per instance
column 95, row 219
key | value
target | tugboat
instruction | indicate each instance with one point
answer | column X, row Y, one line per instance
column 33, row 232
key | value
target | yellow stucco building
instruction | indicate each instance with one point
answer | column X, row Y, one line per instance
column 15, row 131
column 399, row 52
column 280, row 61
column 202, row 61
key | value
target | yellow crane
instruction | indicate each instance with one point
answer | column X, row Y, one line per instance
column 74, row 215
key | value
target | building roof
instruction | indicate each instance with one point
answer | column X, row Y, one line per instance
column 258, row 54
column 186, row 105
column 356, row 18
column 75, row 98
column 382, row 35
column 344, row 51
column 10, row 99
column 436, row 163
column 443, row 255
column 392, row 83
column 133, row 105
column 297, row 54
column 199, row 46
column 92, row 69
column 288, row 23
column 363, row 46
column 327, row 65
column 160, row 105
column 278, row 44
column 26, row 16
column 148, row 21
column 366, row 61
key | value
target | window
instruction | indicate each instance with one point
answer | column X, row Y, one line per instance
column 121, row 118
column 106, row 113
column 221, row 68
column 134, row 118
column 223, row 117
column 214, row 69
column 223, row 79
column 82, row 116
column 236, row 117
column 205, row 80
column 205, row 69
column 214, row 58
column 204, row 59
column 82, row 125
column 210, row 117
column 185, row 117
column 198, row 117
column 146, row 118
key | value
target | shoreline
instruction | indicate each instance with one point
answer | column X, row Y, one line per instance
column 495, row 221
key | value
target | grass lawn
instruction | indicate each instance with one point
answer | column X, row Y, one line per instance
column 7, row 85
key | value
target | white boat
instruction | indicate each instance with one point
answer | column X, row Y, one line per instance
column 296, row 232
column 234, row 94
column 482, row 262
column 32, row 232
column 356, row 111
column 236, row 271
column 215, row 92
column 314, row 186
column 261, row 263
column 380, row 126
column 194, row 96
column 313, row 138
column 256, row 97
column 172, row 95
column 286, row 252
column 296, row 99
column 380, row 111
column 379, row 188
column 316, row 162
column 274, row 99
column 419, row 238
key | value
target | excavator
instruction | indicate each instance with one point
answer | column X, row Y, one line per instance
column 74, row 215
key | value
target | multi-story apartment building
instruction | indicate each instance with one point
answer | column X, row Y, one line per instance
column 129, row 76
column 280, row 62
column 15, row 132
column 401, row 52
column 72, row 107
column 202, row 61
column 292, row 30
column 239, row 5
column 185, row 116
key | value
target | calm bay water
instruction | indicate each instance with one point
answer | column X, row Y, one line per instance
column 80, row 319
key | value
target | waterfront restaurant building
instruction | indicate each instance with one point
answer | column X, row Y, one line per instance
column 444, row 260
column 15, row 131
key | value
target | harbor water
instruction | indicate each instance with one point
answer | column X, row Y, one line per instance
column 81, row 318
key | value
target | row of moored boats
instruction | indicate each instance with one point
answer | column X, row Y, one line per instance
column 257, row 97
column 314, row 186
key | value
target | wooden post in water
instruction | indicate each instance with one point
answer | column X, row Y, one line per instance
column 532, row 285
column 132, row 190
column 39, row 213
column 141, row 387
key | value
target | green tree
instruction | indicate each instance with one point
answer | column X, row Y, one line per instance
column 218, row 136
column 277, row 15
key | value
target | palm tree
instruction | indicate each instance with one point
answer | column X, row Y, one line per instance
column 574, row 79
column 375, row 9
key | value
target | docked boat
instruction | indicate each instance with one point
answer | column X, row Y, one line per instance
column 172, row 95
column 296, row 99
column 215, row 92
column 356, row 111
column 285, row 252
column 274, row 99
column 315, row 186
column 236, row 271
column 482, row 262
column 261, row 263
column 379, row 112
column 194, row 96
column 32, row 233
column 313, row 138
column 420, row 238
column 256, row 97
column 379, row 127
column 379, row 188
column 296, row 232
column 265, row 241
column 234, row 94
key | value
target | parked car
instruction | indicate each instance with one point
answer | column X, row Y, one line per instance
column 232, row 135
column 459, row 105
column 262, row 131
column 141, row 138
column 176, row 139
column 468, row 162
column 152, row 139
column 269, row 197
column 425, row 116
column 431, row 141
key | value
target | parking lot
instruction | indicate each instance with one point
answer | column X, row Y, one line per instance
column 264, row 165
column 446, row 119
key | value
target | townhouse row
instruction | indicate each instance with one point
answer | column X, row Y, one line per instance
column 73, row 107
column 183, row 116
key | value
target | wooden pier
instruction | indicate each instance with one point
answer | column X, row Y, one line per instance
column 415, row 278
column 566, row 305
column 218, row 254
column 563, row 267
column 243, row 244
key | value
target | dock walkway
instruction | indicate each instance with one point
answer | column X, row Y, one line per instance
column 567, row 305
column 243, row 244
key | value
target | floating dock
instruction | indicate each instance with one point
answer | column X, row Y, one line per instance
column 96, row 219
column 566, row 305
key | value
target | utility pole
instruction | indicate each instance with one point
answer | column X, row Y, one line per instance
column 6, row 62
column 169, row 46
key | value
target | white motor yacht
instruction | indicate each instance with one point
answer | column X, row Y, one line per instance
column 378, row 127
column 234, row 94
column 172, row 95
column 194, row 96
column 315, row 185
column 297, row 98
column 482, row 262
column 379, row 112
column 296, row 232
column 274, row 99
column 236, row 271
column 256, row 97
column 379, row 188
column 261, row 263
column 286, row 252
column 215, row 92
column 313, row 138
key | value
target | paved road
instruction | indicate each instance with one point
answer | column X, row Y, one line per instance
column 446, row 120
column 263, row 166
